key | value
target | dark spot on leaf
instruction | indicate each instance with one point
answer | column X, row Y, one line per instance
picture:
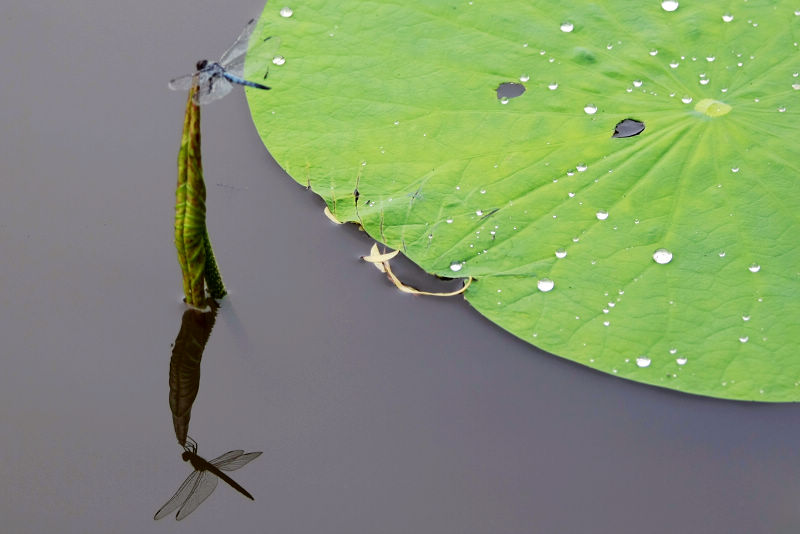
column 628, row 128
column 510, row 90
column 583, row 56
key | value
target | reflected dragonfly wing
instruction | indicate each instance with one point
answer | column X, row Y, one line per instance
column 181, row 83
column 203, row 487
column 239, row 47
column 234, row 463
column 180, row 496
column 213, row 87
column 230, row 455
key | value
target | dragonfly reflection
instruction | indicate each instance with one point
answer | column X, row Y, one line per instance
column 202, row 481
column 215, row 79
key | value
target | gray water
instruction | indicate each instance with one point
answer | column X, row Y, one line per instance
column 377, row 412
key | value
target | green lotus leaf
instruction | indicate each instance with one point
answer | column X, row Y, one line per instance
column 669, row 257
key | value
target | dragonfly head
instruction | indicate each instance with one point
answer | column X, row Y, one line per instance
column 201, row 64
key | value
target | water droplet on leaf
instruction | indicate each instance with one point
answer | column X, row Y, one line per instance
column 545, row 285
column 286, row 12
column 662, row 256
column 643, row 361
column 669, row 5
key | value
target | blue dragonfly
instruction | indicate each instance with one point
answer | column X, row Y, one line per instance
column 203, row 480
column 215, row 80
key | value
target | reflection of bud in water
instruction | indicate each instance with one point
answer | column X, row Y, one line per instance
column 184, row 366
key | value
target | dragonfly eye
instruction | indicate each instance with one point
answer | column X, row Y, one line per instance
column 202, row 64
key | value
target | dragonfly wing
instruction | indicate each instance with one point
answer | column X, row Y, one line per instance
column 203, row 487
column 182, row 83
column 226, row 457
column 239, row 47
column 236, row 67
column 213, row 88
column 232, row 464
column 179, row 497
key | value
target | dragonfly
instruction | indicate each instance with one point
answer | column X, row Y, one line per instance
column 215, row 80
column 203, row 480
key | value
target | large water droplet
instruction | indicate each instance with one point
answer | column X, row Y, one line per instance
column 602, row 215
column 279, row 60
column 456, row 266
column 754, row 268
column 567, row 27
column 669, row 5
column 637, row 83
column 662, row 256
column 286, row 12
column 744, row 339
column 628, row 128
column 581, row 167
column 561, row 253
column 643, row 361
column 524, row 78
column 552, row 86
column 545, row 285
column 681, row 361
column 727, row 17
column 508, row 90
column 686, row 99
column 590, row 109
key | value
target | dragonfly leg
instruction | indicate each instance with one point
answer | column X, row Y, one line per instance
column 191, row 445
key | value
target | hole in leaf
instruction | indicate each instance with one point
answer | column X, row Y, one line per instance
column 509, row 90
column 628, row 128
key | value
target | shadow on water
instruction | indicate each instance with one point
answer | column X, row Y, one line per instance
column 184, row 384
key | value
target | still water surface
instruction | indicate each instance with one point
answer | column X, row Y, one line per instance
column 376, row 412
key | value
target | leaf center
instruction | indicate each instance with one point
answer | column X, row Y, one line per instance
column 712, row 108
